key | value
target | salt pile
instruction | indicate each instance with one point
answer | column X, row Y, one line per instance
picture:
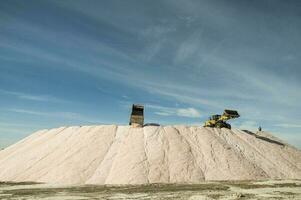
column 111, row 154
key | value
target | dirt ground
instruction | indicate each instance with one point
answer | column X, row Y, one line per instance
column 284, row 189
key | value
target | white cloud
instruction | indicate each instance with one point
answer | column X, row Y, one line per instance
column 188, row 112
column 170, row 111
column 164, row 113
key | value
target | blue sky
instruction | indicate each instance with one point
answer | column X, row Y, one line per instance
column 85, row 62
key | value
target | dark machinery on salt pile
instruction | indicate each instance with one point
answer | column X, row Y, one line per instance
column 220, row 121
column 137, row 115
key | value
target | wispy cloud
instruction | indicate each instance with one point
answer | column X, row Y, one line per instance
column 61, row 115
column 203, row 55
column 289, row 125
column 169, row 111
column 68, row 115
column 33, row 97
column 188, row 112
column 15, row 130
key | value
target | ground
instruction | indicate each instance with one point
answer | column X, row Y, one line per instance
column 284, row 189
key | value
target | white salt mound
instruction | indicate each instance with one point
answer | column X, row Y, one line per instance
column 166, row 154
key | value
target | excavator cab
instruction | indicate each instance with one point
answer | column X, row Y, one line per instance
column 137, row 115
column 214, row 117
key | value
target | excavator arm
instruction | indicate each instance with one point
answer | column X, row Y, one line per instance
column 229, row 114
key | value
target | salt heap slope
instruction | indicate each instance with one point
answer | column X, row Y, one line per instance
column 167, row 154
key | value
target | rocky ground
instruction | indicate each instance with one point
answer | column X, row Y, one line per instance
column 285, row 189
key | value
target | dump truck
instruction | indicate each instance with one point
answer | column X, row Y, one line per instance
column 220, row 121
column 137, row 115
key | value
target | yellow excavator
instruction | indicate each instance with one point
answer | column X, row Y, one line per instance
column 220, row 121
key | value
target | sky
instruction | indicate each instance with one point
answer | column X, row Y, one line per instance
column 78, row 62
